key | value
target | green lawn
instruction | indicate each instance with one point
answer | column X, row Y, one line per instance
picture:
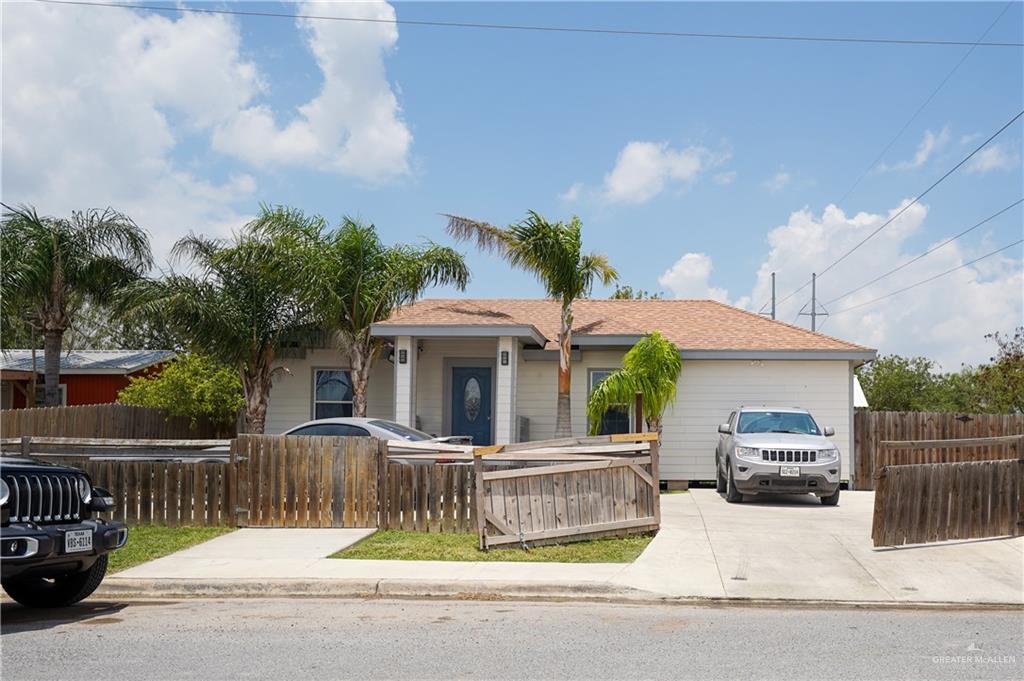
column 148, row 542
column 404, row 545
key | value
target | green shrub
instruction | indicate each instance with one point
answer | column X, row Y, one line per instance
column 193, row 386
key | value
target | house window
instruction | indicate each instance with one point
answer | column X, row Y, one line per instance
column 332, row 393
column 617, row 418
column 62, row 390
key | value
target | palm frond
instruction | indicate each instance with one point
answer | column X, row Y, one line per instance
column 488, row 237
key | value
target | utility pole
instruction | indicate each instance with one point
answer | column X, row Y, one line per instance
column 772, row 313
column 814, row 301
column 813, row 314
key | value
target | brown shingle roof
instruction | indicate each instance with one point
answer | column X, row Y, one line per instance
column 690, row 324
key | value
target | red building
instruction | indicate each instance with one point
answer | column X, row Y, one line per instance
column 86, row 376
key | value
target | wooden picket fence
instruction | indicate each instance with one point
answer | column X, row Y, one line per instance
column 918, row 503
column 162, row 492
column 429, row 497
column 118, row 421
column 871, row 428
column 288, row 481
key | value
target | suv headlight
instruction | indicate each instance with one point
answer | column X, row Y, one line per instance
column 5, row 492
column 84, row 490
column 748, row 452
column 828, row 454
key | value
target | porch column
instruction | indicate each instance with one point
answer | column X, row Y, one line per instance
column 405, row 380
column 505, row 425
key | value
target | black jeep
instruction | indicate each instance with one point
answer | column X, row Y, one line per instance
column 53, row 547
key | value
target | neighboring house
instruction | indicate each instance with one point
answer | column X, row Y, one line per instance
column 488, row 368
column 86, row 376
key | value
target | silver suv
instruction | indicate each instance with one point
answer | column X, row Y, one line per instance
column 768, row 450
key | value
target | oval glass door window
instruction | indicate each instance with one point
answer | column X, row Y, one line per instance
column 471, row 399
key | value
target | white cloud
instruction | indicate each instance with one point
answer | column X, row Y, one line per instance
column 778, row 181
column 643, row 169
column 354, row 125
column 929, row 145
column 99, row 103
column 724, row 178
column 993, row 157
column 945, row 319
column 572, row 194
column 690, row 277
column 88, row 100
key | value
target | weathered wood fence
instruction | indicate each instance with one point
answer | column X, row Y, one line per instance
column 163, row 492
column 613, row 493
column 118, row 421
column 287, row 481
column 918, row 503
column 871, row 428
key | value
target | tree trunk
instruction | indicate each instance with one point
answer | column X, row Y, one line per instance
column 30, row 399
column 256, row 387
column 563, row 415
column 654, row 425
column 360, row 360
column 51, row 367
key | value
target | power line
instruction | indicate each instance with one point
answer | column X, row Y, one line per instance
column 930, row 279
column 549, row 29
column 926, row 102
column 906, row 207
column 929, row 251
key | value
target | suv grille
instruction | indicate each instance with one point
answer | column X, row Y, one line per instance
column 789, row 455
column 43, row 498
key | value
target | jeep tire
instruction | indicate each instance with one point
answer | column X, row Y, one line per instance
column 719, row 478
column 831, row 500
column 38, row 592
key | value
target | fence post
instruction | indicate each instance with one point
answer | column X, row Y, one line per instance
column 1020, row 485
column 478, row 497
column 26, row 445
column 655, row 476
column 383, row 502
column 881, row 480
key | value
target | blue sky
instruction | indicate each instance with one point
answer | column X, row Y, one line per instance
column 697, row 165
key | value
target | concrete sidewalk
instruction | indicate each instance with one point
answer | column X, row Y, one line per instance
column 783, row 549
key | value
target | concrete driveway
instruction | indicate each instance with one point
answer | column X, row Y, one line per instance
column 793, row 547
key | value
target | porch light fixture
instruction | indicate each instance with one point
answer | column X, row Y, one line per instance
column 403, row 356
column 504, row 358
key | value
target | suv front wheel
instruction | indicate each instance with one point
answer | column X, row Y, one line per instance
column 719, row 478
column 57, row 592
column 831, row 500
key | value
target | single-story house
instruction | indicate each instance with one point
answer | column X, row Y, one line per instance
column 86, row 376
column 488, row 368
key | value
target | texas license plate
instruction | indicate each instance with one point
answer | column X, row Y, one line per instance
column 789, row 471
column 77, row 540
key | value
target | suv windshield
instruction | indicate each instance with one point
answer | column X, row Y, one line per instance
column 401, row 431
column 776, row 422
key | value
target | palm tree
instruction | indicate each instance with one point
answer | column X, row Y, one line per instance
column 358, row 280
column 51, row 267
column 242, row 299
column 553, row 251
column 650, row 368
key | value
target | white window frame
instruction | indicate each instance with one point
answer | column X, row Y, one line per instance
column 314, row 401
column 590, row 388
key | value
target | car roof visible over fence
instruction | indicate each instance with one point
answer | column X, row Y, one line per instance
column 88, row 361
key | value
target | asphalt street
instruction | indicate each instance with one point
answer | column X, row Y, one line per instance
column 376, row 639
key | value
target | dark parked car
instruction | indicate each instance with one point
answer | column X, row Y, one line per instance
column 53, row 546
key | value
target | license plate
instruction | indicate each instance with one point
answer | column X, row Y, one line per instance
column 77, row 540
column 789, row 471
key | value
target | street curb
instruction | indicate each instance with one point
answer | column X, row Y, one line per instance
column 399, row 589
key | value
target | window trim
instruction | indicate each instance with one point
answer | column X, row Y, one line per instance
column 313, row 401
column 590, row 387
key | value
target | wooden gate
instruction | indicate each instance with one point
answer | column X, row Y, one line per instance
column 929, row 502
column 614, row 492
column 289, row 481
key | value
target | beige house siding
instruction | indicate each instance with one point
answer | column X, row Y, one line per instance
column 291, row 398
column 710, row 390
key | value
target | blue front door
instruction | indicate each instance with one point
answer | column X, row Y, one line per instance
column 471, row 403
